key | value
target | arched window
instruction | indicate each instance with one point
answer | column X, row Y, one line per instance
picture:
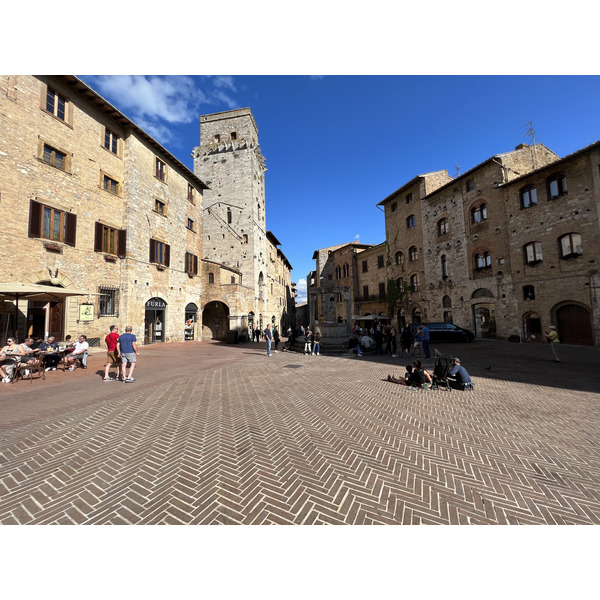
column 444, row 265
column 479, row 213
column 483, row 260
column 532, row 253
column 346, row 270
column 570, row 245
column 528, row 292
column 446, row 302
column 211, row 278
column 528, row 196
column 399, row 258
column 482, row 293
column 414, row 282
column 411, row 222
column 557, row 185
column 442, row 226
column 412, row 253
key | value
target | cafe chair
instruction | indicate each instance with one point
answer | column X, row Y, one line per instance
column 37, row 365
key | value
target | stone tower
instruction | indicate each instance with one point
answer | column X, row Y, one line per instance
column 229, row 161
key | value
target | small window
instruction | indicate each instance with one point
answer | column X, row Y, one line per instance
column 366, row 292
column 108, row 301
column 479, row 213
column 528, row 196
column 160, row 207
column 409, row 198
column 211, row 278
column 217, row 138
column 399, row 258
column 411, row 222
column 245, row 238
column 190, row 193
column 52, row 224
column 483, row 260
column 442, row 227
column 394, row 207
column 557, row 186
column 380, row 261
column 528, row 292
column 382, row 290
column 414, row 283
column 412, row 253
column 109, row 240
column 54, row 157
column 160, row 169
column 570, row 245
column 470, row 185
column 191, row 225
column 56, row 104
column 444, row 264
column 191, row 263
column 233, row 136
column 532, row 253
column 365, row 266
column 229, row 216
column 110, row 185
column 159, row 253
column 111, row 141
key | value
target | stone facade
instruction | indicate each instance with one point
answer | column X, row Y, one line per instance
column 92, row 201
column 235, row 234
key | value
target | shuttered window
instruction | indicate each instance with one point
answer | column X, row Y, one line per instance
column 52, row 224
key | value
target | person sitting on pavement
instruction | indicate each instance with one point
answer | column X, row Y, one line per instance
column 366, row 343
column 80, row 352
column 354, row 345
column 458, row 378
column 421, row 378
column 406, row 380
column 52, row 358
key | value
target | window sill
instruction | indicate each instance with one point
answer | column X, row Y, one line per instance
column 160, row 267
column 571, row 256
column 110, row 258
column 53, row 247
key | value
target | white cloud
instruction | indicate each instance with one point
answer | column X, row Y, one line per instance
column 157, row 102
column 301, row 290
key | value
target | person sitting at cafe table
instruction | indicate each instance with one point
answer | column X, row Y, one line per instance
column 52, row 358
column 80, row 352
column 10, row 357
column 28, row 354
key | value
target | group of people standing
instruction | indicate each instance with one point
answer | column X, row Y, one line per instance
column 122, row 353
column 382, row 340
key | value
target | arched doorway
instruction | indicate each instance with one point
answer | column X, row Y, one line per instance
column 484, row 314
column 154, row 321
column 574, row 325
column 215, row 321
column 532, row 328
column 191, row 316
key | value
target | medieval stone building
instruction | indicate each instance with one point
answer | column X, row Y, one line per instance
column 91, row 202
column 236, row 237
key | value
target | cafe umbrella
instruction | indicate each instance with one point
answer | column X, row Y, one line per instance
column 35, row 291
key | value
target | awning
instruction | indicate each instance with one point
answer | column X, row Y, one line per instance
column 35, row 291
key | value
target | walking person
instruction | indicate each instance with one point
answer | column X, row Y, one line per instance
column 128, row 352
column 552, row 337
column 392, row 343
column 406, row 341
column 111, row 341
column 276, row 338
column 269, row 338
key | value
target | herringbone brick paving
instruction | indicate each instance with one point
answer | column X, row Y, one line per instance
column 225, row 435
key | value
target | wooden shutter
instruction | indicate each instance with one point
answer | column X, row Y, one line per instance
column 122, row 243
column 167, row 255
column 35, row 219
column 195, row 265
column 152, row 251
column 70, row 229
column 98, row 229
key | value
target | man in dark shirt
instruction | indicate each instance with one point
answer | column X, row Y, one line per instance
column 52, row 359
column 458, row 377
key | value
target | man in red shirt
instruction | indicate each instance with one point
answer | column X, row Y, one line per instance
column 112, row 358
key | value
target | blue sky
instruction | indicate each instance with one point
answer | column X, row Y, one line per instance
column 337, row 145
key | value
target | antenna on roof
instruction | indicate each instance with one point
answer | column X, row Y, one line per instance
column 531, row 133
column 456, row 170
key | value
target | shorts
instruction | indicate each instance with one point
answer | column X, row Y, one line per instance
column 129, row 357
column 112, row 358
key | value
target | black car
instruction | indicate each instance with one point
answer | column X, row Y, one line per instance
column 448, row 332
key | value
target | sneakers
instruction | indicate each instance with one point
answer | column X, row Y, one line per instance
column 71, row 368
column 48, row 369
column 6, row 380
column 129, row 380
column 107, row 379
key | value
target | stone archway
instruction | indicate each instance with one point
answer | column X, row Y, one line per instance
column 215, row 321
